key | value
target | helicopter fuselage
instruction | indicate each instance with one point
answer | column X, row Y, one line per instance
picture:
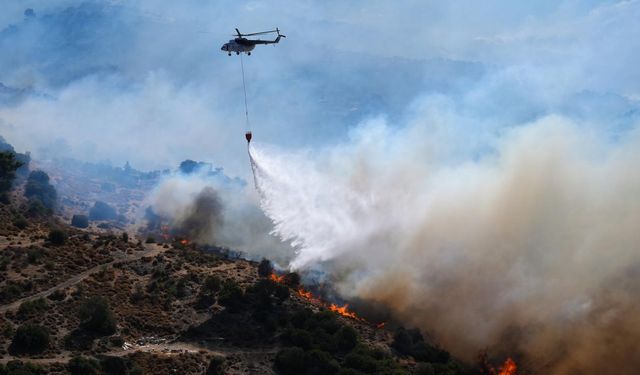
column 234, row 46
column 240, row 45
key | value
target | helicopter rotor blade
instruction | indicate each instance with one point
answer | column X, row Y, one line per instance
column 260, row 33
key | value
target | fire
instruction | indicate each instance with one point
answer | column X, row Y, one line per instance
column 341, row 310
column 344, row 311
column 276, row 278
column 508, row 368
column 184, row 242
column 308, row 296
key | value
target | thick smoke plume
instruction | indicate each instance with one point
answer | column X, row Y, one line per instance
column 201, row 208
column 529, row 248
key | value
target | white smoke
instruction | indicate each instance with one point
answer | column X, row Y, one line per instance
column 517, row 241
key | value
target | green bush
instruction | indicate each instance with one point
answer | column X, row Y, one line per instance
column 151, row 239
column 31, row 307
column 410, row 342
column 346, row 338
column 125, row 237
column 30, row 339
column 114, row 366
column 216, row 366
column 8, row 167
column 57, row 237
column 80, row 221
column 231, row 296
column 81, row 365
column 20, row 222
column 102, row 211
column 17, row 367
column 290, row 361
column 37, row 209
column 38, row 187
column 97, row 317
column 319, row 362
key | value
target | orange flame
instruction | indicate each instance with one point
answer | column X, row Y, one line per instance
column 184, row 242
column 308, row 296
column 344, row 311
column 276, row 278
column 381, row 325
column 508, row 368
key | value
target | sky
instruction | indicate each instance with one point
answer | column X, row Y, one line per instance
column 145, row 81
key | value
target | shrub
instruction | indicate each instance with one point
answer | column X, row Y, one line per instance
column 38, row 187
column 81, row 365
column 30, row 339
column 102, row 211
column 17, row 367
column 80, row 221
column 319, row 362
column 20, row 222
column 114, row 366
column 57, row 295
column 8, row 167
column 211, row 285
column 231, row 296
column 410, row 342
column 346, row 338
column 37, row 209
column 216, row 366
column 151, row 239
column 31, row 307
column 125, row 237
column 97, row 317
column 361, row 362
column 290, row 361
column 265, row 268
column 57, row 237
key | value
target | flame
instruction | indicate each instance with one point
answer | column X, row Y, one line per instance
column 508, row 368
column 344, row 311
column 308, row 296
column 381, row 325
column 276, row 278
column 184, row 242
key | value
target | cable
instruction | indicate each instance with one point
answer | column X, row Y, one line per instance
column 244, row 87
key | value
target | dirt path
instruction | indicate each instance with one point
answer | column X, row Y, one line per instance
column 167, row 349
column 149, row 250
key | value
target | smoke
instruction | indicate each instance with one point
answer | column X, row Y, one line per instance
column 529, row 248
column 202, row 208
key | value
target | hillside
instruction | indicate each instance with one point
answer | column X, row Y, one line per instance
column 93, row 300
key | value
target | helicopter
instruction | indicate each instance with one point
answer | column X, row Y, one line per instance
column 242, row 44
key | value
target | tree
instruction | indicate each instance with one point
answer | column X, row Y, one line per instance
column 102, row 211
column 290, row 361
column 30, row 339
column 80, row 221
column 38, row 187
column 57, row 237
column 216, row 366
column 8, row 167
column 81, row 365
column 97, row 317
column 125, row 237
column 265, row 268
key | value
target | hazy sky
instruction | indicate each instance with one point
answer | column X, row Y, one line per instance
column 145, row 81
